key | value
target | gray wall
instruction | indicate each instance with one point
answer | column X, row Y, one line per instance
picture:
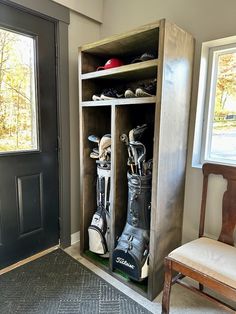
column 89, row 8
column 85, row 18
column 81, row 30
column 206, row 20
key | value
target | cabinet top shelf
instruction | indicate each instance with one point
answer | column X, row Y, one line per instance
column 142, row 70
column 135, row 41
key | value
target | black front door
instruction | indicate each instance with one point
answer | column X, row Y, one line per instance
column 28, row 135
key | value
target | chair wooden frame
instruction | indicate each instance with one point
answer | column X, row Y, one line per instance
column 226, row 236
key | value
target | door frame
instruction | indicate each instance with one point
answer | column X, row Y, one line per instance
column 61, row 17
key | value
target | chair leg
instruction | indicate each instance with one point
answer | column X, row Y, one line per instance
column 167, row 287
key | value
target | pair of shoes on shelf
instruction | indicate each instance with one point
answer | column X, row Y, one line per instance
column 108, row 93
column 144, row 90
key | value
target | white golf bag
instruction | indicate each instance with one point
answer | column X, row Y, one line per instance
column 99, row 230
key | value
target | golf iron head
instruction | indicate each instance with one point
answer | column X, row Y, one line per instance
column 94, row 139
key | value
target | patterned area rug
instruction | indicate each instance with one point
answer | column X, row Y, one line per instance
column 56, row 283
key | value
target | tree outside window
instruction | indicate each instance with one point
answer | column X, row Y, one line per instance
column 18, row 116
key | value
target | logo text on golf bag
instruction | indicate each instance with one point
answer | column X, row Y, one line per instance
column 124, row 262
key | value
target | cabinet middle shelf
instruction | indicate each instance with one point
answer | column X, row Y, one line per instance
column 120, row 101
column 143, row 70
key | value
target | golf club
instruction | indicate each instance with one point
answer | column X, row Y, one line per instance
column 95, row 150
column 124, row 139
column 136, row 133
column 94, row 138
column 139, row 154
column 94, row 155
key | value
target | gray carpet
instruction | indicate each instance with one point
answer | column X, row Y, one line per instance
column 56, row 283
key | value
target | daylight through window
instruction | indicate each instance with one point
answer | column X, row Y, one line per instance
column 222, row 125
column 18, row 113
column 215, row 129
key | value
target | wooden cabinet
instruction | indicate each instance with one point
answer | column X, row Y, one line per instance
column 167, row 115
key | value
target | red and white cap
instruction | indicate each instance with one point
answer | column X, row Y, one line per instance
column 111, row 63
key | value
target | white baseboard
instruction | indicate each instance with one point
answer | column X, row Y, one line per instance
column 75, row 237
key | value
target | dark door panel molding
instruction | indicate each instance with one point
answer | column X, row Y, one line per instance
column 30, row 194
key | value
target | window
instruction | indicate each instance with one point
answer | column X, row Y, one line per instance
column 215, row 132
column 18, row 108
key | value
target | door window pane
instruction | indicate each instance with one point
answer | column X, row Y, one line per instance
column 223, row 143
column 18, row 111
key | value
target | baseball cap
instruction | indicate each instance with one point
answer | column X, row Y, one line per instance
column 111, row 63
column 144, row 57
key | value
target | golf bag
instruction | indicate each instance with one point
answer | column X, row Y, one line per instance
column 99, row 230
column 131, row 252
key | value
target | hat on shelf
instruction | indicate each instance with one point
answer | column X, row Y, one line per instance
column 111, row 63
column 144, row 57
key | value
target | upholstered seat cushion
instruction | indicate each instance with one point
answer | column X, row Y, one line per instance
column 211, row 257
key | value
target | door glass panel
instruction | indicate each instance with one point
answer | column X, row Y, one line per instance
column 18, row 106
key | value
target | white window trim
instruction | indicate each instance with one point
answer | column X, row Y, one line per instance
column 205, row 101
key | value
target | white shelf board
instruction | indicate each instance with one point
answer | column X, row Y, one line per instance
column 121, row 101
column 143, row 69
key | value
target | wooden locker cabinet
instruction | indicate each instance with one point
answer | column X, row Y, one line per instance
column 167, row 115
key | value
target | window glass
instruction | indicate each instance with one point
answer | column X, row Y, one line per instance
column 223, row 133
column 18, row 108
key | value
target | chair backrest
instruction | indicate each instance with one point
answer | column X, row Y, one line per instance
column 228, row 229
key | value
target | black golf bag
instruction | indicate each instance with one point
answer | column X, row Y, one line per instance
column 132, row 250
column 99, row 230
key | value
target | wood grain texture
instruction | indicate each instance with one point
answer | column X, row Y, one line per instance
column 129, row 43
column 167, row 287
column 81, row 146
column 171, row 133
column 90, row 63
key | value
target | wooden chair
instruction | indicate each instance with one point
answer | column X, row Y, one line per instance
column 210, row 262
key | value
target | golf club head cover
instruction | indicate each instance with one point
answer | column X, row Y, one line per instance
column 104, row 145
column 131, row 252
column 99, row 229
